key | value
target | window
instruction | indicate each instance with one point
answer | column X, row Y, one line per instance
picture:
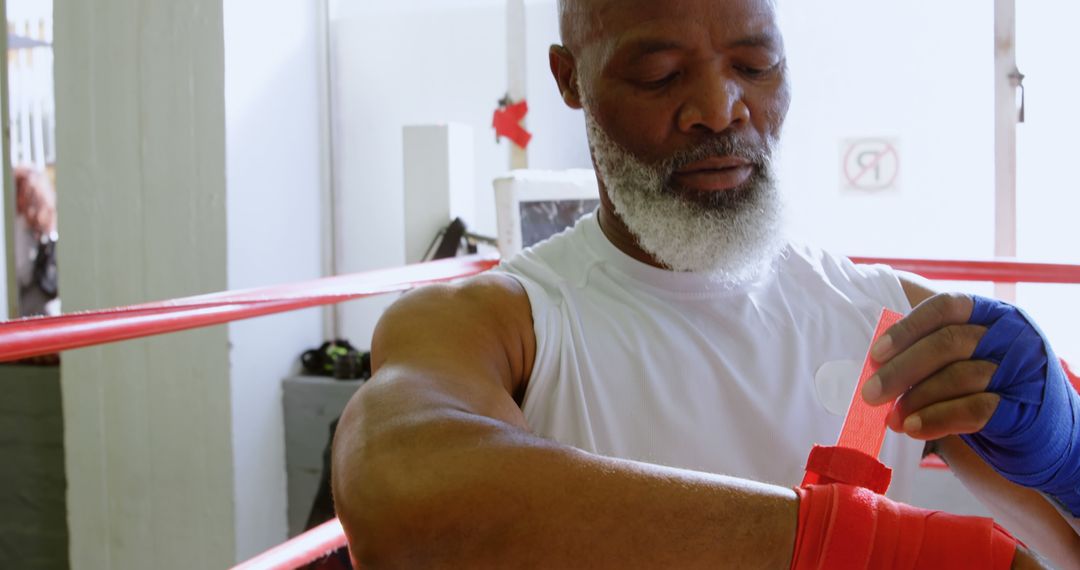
column 30, row 287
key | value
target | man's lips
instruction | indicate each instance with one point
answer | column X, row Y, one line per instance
column 715, row 174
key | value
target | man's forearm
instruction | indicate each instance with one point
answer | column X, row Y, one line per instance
column 1023, row 511
column 1069, row 518
column 443, row 488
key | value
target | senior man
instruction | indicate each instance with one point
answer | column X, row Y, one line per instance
column 639, row 391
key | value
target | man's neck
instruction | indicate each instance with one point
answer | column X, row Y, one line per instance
column 620, row 236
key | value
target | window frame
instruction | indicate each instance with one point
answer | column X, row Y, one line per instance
column 1006, row 119
column 11, row 287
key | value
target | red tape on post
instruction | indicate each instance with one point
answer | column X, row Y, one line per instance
column 853, row 460
column 507, row 123
column 40, row 336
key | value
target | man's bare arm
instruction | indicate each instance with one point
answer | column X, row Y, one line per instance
column 434, row 465
column 1025, row 512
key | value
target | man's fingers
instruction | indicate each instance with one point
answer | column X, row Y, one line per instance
column 966, row 415
column 956, row 380
column 933, row 314
column 925, row 357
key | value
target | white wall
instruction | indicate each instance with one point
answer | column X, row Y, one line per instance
column 559, row 141
column 429, row 62
column 918, row 71
column 1048, row 187
column 923, row 71
column 275, row 181
column 407, row 63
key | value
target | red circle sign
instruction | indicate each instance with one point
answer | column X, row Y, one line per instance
column 871, row 164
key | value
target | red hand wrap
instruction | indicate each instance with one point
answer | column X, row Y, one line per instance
column 850, row 528
column 838, row 464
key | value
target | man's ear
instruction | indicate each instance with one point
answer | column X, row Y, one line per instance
column 564, row 68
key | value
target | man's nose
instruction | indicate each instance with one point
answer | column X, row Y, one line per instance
column 714, row 105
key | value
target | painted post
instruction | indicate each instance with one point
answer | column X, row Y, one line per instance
column 1005, row 120
column 516, row 70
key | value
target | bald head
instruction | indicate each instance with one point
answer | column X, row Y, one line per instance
column 603, row 24
column 580, row 21
column 575, row 17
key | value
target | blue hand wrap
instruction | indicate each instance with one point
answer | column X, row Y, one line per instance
column 1033, row 439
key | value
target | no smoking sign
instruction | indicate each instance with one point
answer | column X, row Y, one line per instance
column 871, row 165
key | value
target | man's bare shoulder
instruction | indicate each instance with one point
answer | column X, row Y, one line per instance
column 485, row 319
column 916, row 288
column 487, row 297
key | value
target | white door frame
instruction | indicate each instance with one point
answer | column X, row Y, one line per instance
column 12, row 300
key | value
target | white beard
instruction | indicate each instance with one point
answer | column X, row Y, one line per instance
column 731, row 236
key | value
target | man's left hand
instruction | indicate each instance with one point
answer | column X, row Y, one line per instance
column 926, row 363
column 981, row 369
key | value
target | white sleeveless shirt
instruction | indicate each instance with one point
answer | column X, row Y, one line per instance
column 673, row 369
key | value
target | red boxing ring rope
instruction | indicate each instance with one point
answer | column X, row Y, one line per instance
column 996, row 271
column 313, row 545
column 41, row 336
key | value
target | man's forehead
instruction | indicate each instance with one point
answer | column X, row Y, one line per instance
column 586, row 21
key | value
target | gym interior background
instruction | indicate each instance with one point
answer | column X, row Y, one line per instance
column 213, row 145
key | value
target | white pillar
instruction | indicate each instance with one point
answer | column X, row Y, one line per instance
column 517, row 66
column 141, row 177
column 559, row 142
column 188, row 163
column 1005, row 119
column 440, row 182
